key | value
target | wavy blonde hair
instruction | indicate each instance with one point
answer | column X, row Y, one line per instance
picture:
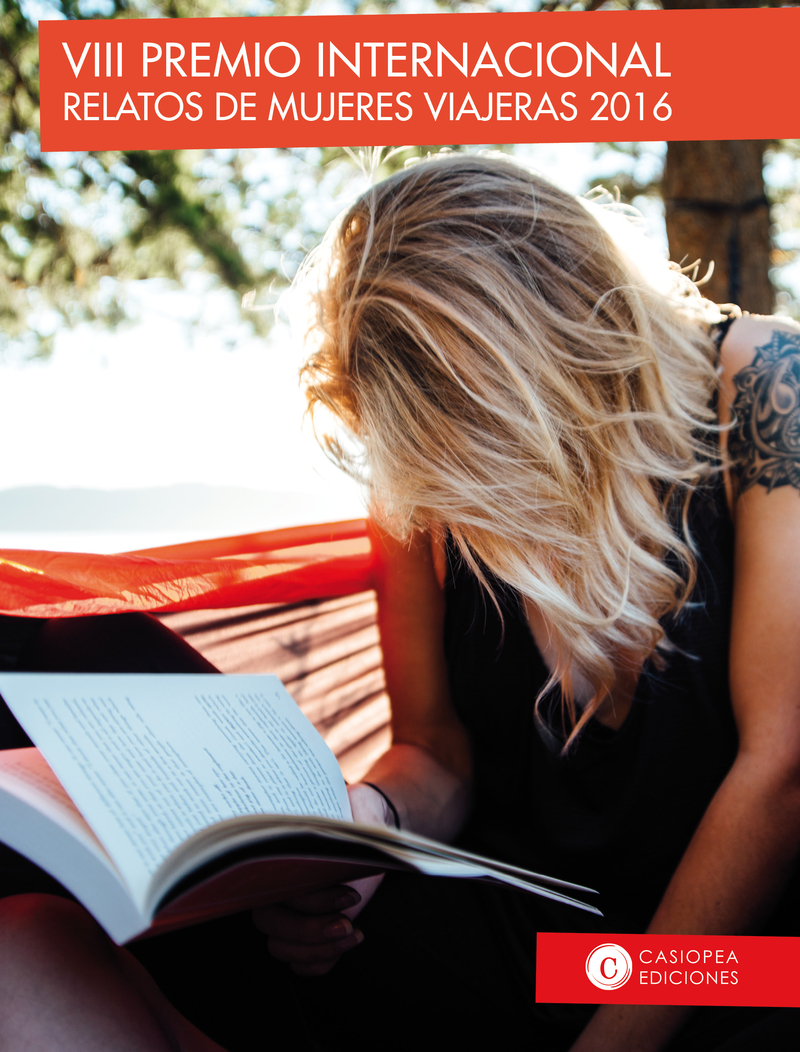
column 510, row 377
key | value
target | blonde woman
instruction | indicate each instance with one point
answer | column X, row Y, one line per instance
column 585, row 499
column 590, row 601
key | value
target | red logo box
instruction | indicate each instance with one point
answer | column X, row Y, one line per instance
column 751, row 970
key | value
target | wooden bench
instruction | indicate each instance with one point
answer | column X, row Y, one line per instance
column 327, row 652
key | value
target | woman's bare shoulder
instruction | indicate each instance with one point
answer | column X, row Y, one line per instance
column 417, row 561
column 760, row 401
column 746, row 336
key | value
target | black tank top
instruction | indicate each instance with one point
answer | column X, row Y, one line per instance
column 618, row 811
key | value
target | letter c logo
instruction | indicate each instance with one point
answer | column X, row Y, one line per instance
column 603, row 972
column 609, row 966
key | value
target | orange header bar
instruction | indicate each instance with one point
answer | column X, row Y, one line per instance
column 414, row 79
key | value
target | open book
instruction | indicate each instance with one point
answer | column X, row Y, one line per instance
column 163, row 800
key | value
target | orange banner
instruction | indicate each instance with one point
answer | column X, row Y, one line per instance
column 379, row 79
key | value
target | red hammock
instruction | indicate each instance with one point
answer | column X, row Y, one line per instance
column 280, row 566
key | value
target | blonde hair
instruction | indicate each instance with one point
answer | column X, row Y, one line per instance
column 510, row 377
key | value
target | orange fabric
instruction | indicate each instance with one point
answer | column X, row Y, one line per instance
column 280, row 566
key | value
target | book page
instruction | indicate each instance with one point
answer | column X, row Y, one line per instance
column 26, row 774
column 150, row 760
column 39, row 820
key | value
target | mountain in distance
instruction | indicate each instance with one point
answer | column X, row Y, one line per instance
column 199, row 510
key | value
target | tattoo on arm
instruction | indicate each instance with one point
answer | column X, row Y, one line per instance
column 764, row 442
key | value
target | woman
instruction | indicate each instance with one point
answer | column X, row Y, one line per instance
column 588, row 608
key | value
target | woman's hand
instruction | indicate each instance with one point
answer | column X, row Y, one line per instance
column 426, row 772
column 312, row 931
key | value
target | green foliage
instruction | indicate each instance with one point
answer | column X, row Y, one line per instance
column 782, row 175
column 74, row 228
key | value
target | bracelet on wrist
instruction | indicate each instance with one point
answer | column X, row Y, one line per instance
column 387, row 801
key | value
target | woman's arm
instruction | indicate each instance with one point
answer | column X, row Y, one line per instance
column 743, row 851
column 425, row 773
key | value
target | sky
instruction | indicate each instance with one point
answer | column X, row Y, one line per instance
column 158, row 403
column 162, row 403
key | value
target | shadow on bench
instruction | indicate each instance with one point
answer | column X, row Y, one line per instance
column 328, row 654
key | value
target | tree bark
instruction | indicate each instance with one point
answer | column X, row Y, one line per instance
column 717, row 211
column 716, row 208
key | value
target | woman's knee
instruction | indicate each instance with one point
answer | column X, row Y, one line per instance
column 45, row 942
column 65, row 986
column 34, row 926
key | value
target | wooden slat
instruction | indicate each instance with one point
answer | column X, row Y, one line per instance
column 327, row 653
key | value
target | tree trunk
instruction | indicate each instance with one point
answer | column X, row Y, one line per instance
column 717, row 211
column 716, row 207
